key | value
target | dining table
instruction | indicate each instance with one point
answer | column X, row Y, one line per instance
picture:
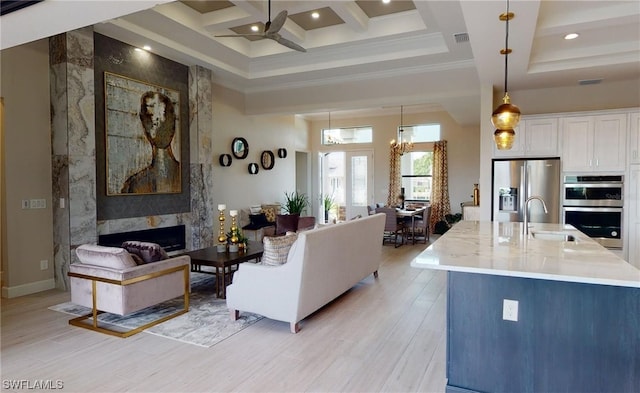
column 411, row 212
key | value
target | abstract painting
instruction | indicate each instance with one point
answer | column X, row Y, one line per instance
column 142, row 123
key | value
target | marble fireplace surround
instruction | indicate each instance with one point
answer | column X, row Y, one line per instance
column 73, row 117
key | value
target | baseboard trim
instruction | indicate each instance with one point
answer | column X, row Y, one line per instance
column 28, row 289
column 457, row 389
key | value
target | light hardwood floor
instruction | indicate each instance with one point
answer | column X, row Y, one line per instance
column 382, row 335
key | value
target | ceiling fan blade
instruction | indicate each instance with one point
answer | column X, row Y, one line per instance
column 277, row 23
column 288, row 43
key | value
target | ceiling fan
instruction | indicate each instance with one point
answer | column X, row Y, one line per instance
column 271, row 30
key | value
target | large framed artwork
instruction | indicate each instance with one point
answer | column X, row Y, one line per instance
column 142, row 130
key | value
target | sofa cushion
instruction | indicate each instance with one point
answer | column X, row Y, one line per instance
column 149, row 252
column 286, row 223
column 276, row 249
column 112, row 257
column 257, row 221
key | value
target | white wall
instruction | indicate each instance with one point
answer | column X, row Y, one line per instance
column 27, row 166
column 463, row 150
column 233, row 185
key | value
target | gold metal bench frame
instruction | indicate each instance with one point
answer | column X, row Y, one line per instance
column 78, row 321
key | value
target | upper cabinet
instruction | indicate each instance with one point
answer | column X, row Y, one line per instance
column 535, row 137
column 634, row 138
column 594, row 143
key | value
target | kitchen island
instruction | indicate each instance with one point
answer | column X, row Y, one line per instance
column 578, row 310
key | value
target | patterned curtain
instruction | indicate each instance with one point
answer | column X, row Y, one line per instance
column 440, row 205
column 394, row 176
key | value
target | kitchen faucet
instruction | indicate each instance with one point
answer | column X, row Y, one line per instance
column 526, row 211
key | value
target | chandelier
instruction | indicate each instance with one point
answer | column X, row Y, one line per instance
column 401, row 146
column 507, row 116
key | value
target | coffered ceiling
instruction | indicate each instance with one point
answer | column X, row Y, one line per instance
column 369, row 57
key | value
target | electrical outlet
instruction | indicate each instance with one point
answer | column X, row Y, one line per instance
column 44, row 264
column 510, row 310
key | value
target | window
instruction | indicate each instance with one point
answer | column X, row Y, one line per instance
column 339, row 136
column 416, row 170
column 421, row 133
column 416, row 166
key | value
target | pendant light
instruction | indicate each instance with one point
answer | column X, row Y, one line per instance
column 507, row 116
column 401, row 146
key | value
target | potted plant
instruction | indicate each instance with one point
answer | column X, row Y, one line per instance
column 295, row 202
column 328, row 203
column 240, row 243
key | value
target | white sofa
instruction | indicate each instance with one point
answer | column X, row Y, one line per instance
column 322, row 264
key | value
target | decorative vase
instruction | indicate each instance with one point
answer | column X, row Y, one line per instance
column 221, row 247
column 233, row 247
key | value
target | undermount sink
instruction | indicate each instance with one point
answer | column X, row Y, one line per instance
column 554, row 236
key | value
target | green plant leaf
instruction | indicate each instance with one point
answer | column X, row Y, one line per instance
column 295, row 202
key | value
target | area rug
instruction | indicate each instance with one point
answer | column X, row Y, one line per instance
column 207, row 323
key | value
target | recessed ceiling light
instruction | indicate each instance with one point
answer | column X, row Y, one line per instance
column 254, row 28
column 386, row 1
column 571, row 36
column 146, row 47
column 315, row 15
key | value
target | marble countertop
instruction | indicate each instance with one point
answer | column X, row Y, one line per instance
column 500, row 248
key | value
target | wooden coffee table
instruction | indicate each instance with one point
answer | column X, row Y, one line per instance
column 223, row 262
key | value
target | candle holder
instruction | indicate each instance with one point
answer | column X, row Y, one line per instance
column 234, row 227
column 222, row 238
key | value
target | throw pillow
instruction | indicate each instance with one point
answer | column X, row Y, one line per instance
column 137, row 259
column 276, row 249
column 113, row 257
column 149, row 252
column 286, row 223
column 270, row 214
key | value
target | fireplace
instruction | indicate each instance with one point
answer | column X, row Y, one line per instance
column 170, row 238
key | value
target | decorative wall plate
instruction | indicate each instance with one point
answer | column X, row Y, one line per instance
column 225, row 159
column 267, row 159
column 240, row 148
column 282, row 152
column 253, row 168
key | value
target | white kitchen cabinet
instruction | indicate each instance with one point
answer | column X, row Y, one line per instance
column 632, row 206
column 535, row 137
column 634, row 138
column 594, row 143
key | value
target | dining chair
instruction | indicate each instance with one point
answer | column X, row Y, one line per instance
column 392, row 226
column 421, row 226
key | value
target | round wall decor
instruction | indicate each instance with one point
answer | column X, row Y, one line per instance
column 225, row 159
column 282, row 152
column 240, row 148
column 267, row 159
column 253, row 168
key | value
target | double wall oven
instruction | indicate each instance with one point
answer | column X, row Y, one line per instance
column 593, row 205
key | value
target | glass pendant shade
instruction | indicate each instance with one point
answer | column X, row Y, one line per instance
column 504, row 139
column 506, row 116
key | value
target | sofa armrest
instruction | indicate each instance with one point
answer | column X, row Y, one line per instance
column 267, row 290
column 129, row 273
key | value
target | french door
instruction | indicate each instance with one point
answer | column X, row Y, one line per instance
column 347, row 177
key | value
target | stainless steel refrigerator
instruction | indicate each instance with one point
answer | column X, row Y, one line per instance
column 516, row 180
